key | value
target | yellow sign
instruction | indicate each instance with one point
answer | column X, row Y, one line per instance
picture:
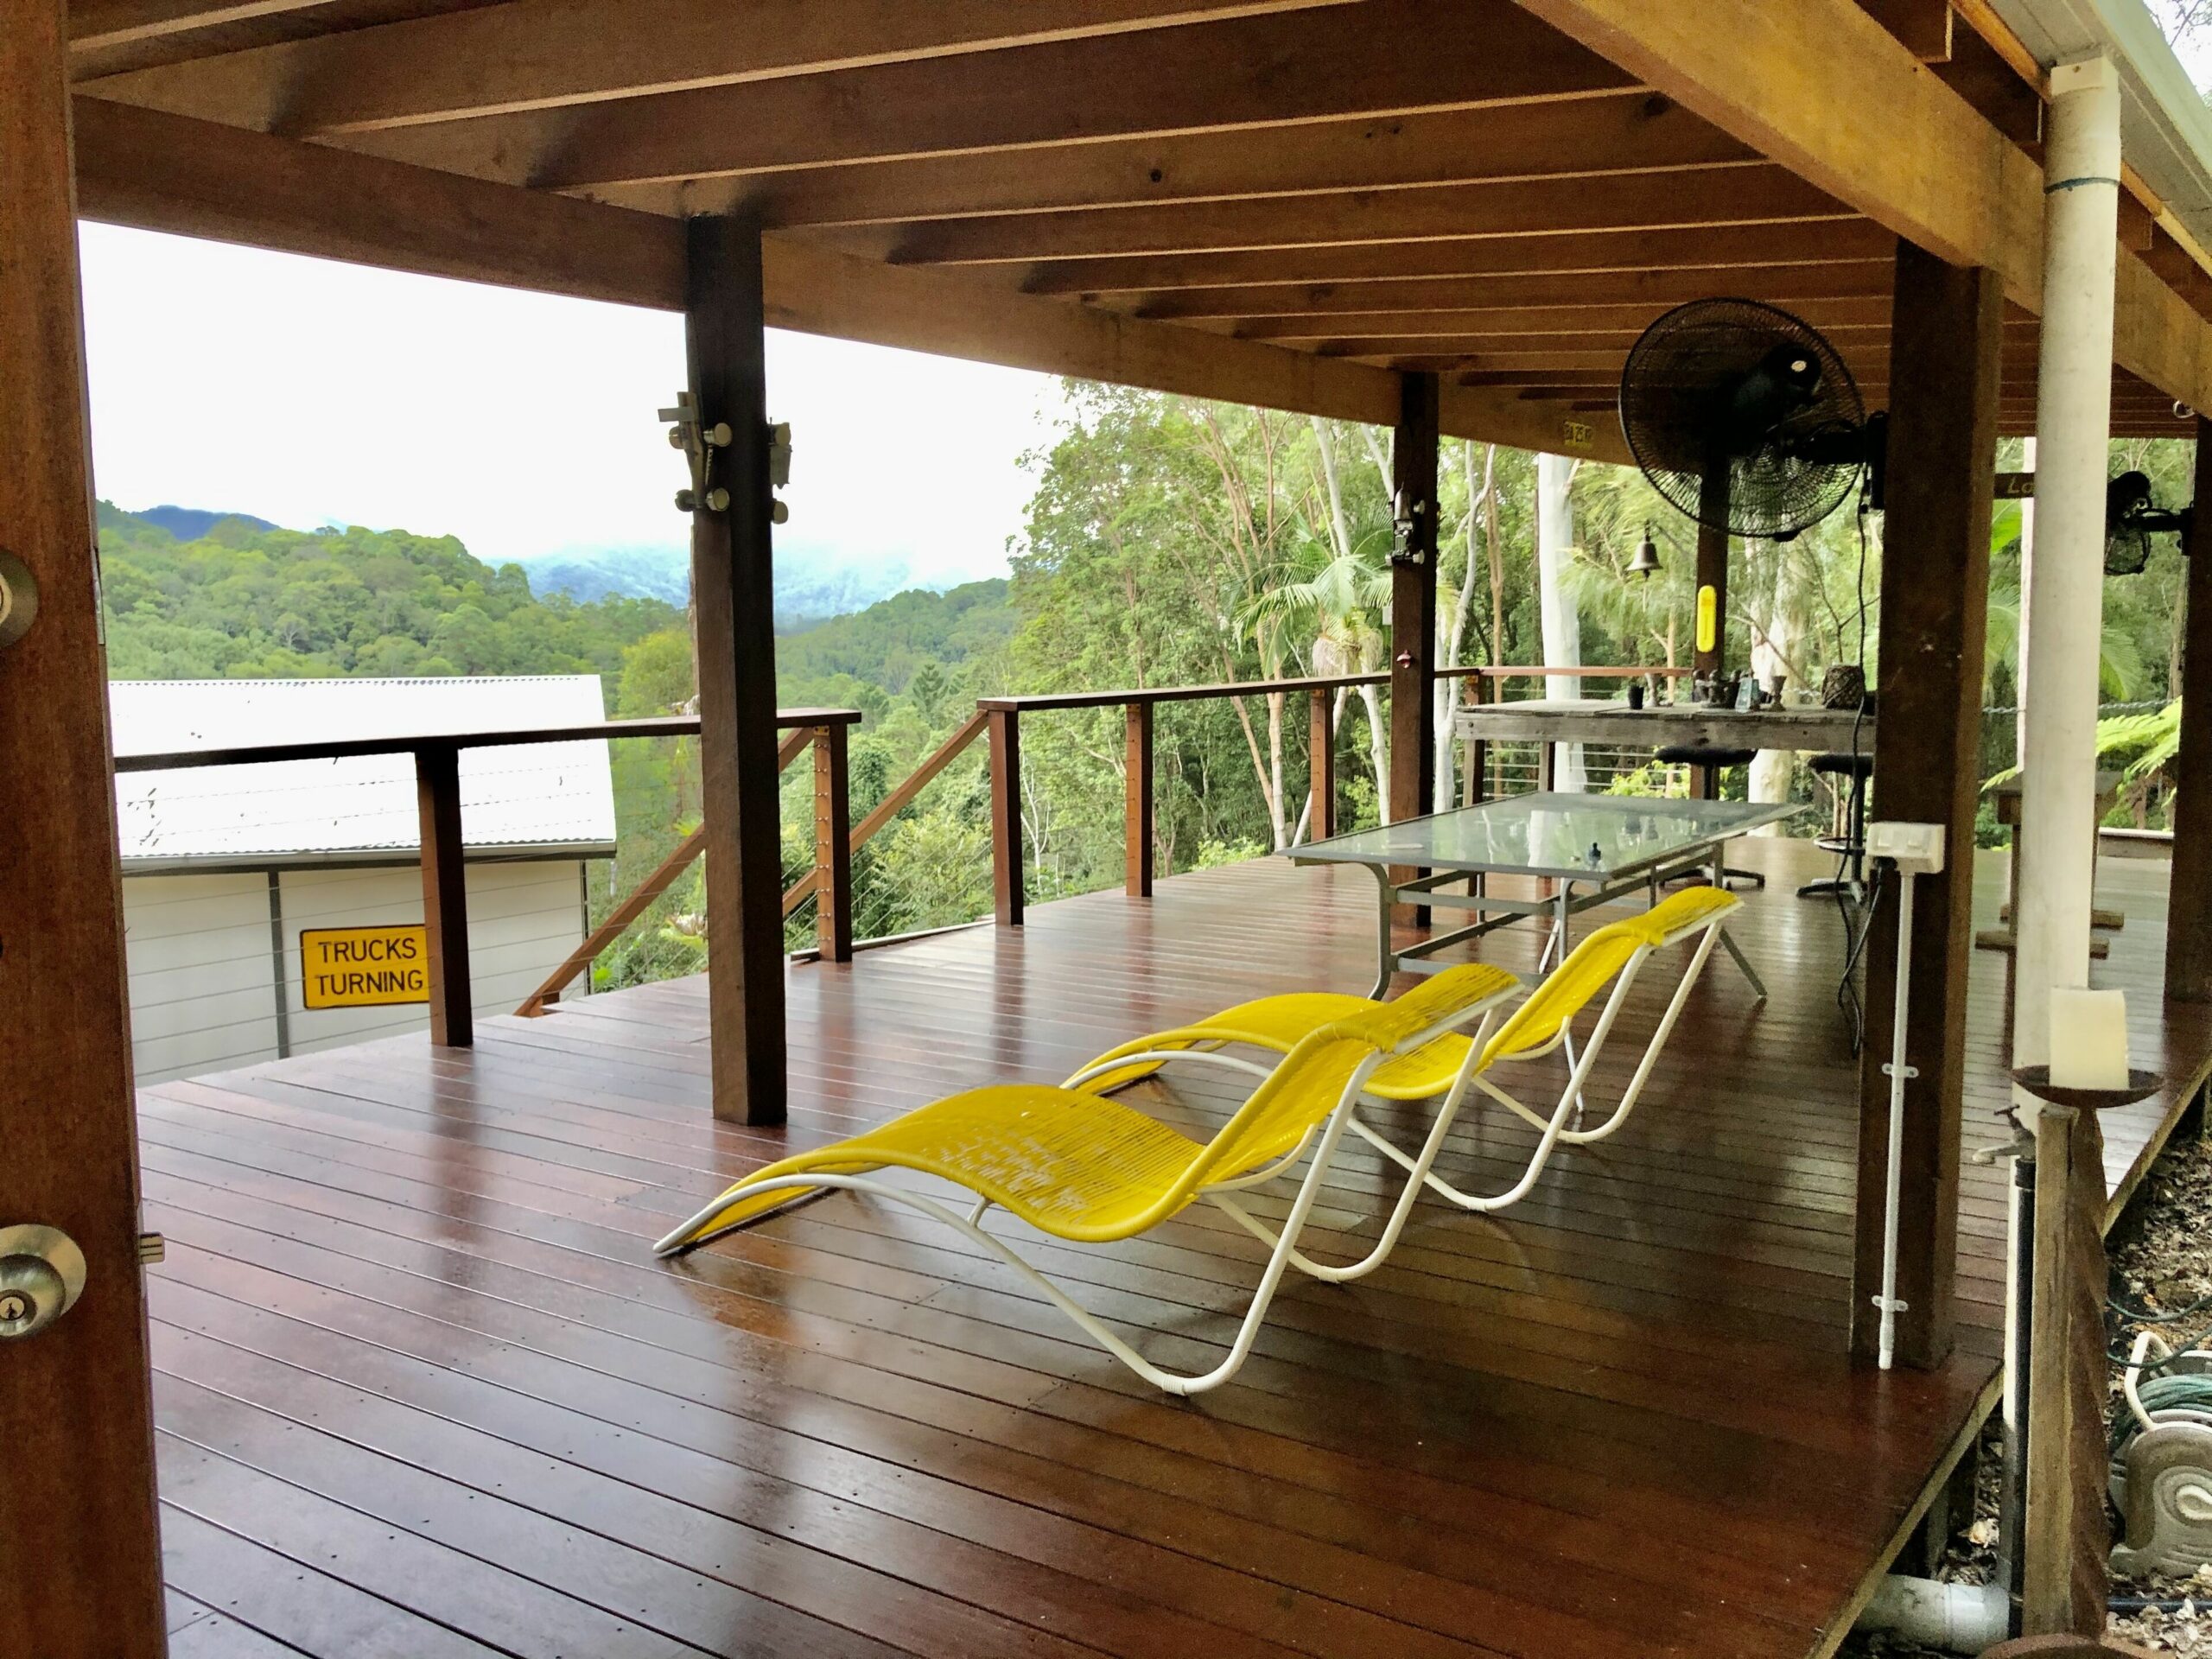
column 1708, row 619
column 1577, row 434
column 365, row 967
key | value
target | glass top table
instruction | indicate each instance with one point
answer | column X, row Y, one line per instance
column 1593, row 848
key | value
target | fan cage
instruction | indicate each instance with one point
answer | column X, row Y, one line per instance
column 1679, row 390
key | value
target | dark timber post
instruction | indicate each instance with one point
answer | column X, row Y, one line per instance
column 833, row 842
column 1709, row 608
column 76, row 1412
column 2188, row 919
column 1413, row 600
column 1413, row 610
column 1321, row 764
column 1137, row 802
column 445, row 895
column 1005, row 815
column 1946, row 324
column 733, row 609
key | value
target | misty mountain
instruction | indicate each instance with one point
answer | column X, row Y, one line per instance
column 811, row 584
column 191, row 524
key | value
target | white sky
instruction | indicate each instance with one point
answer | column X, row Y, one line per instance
column 306, row 391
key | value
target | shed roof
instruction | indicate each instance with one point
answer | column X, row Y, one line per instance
column 543, row 799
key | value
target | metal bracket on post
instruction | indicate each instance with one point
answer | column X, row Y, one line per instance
column 700, row 443
column 1405, row 522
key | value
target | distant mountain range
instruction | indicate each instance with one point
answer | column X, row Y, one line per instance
column 811, row 582
column 190, row 523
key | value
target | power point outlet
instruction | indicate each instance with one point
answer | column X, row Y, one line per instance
column 1915, row 848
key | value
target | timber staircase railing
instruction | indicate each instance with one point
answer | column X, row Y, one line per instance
column 829, row 883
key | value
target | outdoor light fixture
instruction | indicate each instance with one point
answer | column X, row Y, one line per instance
column 1646, row 557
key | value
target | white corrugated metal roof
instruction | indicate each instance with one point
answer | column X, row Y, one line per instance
column 538, row 796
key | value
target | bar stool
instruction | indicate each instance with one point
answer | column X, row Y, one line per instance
column 1849, row 839
column 1706, row 762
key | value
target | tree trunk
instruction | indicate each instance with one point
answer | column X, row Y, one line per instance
column 1773, row 651
column 1562, row 626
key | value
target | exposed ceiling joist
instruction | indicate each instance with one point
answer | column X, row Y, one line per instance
column 97, row 24
column 1714, row 247
column 1821, row 88
column 540, row 54
column 1746, row 192
column 1320, row 64
column 1627, row 132
column 1791, row 285
column 171, row 173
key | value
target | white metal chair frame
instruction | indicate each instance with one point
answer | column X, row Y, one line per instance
column 1284, row 1253
column 1562, row 1125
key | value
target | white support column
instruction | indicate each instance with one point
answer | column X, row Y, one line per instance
column 1562, row 619
column 2073, row 429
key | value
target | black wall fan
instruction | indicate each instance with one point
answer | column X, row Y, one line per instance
column 1743, row 389
column 2131, row 519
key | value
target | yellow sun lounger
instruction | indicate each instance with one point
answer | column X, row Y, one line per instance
column 1538, row 1027
column 1082, row 1167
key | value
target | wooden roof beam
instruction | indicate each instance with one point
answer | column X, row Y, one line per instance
column 1322, row 65
column 1788, row 285
column 1823, row 89
column 95, row 25
column 1716, row 248
column 542, row 54
column 1619, row 132
column 1741, row 194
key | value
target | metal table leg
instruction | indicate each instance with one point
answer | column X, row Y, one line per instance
column 1386, row 957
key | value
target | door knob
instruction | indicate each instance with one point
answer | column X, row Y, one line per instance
column 41, row 1275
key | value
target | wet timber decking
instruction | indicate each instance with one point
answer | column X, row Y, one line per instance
column 421, row 1391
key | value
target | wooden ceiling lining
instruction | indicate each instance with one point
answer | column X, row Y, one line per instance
column 120, row 36
column 1255, row 183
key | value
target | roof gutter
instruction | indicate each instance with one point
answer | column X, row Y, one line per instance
column 2165, row 128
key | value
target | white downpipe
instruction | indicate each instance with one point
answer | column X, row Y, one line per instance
column 1957, row 1617
column 1898, row 1072
column 2021, row 641
column 1562, row 624
column 2073, row 429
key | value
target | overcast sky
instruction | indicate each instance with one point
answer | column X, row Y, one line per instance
column 308, row 391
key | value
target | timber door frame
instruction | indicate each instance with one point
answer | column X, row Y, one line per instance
column 76, row 1402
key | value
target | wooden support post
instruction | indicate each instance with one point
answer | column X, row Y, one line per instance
column 2064, row 1580
column 1546, row 768
column 76, row 1412
column 832, row 848
column 2189, row 917
column 1321, row 764
column 733, row 606
column 1005, row 815
column 1474, row 754
column 1946, row 324
column 1413, row 610
column 445, row 894
column 1137, row 805
column 1413, row 601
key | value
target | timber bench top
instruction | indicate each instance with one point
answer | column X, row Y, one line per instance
column 1611, row 721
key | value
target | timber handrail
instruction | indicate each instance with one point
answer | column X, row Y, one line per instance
column 836, row 934
column 437, row 793
column 1003, row 715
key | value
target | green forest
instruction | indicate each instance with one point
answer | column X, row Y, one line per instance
column 1168, row 542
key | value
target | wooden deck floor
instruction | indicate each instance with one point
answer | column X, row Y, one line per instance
column 423, row 1392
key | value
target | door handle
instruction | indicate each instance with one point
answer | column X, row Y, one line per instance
column 41, row 1275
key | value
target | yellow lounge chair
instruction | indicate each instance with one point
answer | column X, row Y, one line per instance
column 1540, row 1026
column 1085, row 1168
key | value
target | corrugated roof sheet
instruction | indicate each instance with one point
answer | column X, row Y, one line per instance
column 529, row 796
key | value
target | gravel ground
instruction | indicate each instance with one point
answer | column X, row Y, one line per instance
column 2162, row 1267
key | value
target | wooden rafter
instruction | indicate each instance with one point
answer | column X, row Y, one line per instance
column 1739, row 193
column 1255, row 72
column 544, row 54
